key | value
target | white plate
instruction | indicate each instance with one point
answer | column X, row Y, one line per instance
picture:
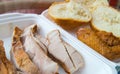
column 93, row 64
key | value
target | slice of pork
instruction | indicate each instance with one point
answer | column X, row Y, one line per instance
column 18, row 56
column 75, row 56
column 42, row 42
column 36, row 53
column 3, row 69
column 5, row 62
column 64, row 53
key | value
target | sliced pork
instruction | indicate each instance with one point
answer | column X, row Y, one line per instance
column 5, row 65
column 64, row 53
column 75, row 56
column 42, row 42
column 19, row 57
column 36, row 53
column 3, row 69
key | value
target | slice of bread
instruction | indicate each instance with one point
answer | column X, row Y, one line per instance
column 92, row 4
column 106, row 19
column 69, row 11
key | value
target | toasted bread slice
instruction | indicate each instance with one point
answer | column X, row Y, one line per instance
column 91, row 4
column 69, row 11
column 106, row 19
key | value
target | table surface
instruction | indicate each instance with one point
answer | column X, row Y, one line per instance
column 25, row 6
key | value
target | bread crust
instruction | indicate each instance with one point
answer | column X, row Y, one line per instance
column 68, row 18
column 99, row 28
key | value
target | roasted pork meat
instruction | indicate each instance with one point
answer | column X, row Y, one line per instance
column 42, row 42
column 3, row 69
column 64, row 53
column 6, row 65
column 36, row 53
column 19, row 57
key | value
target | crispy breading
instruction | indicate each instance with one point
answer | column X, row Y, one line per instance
column 108, row 38
column 89, row 37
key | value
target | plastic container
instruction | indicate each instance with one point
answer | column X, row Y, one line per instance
column 93, row 64
column 114, row 64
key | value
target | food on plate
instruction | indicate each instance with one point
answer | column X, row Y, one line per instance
column 6, row 66
column 69, row 11
column 63, row 53
column 69, row 15
column 92, row 4
column 103, row 34
column 33, row 54
column 108, row 38
column 108, row 21
column 19, row 57
column 43, row 42
column 3, row 69
column 90, row 37
column 36, row 52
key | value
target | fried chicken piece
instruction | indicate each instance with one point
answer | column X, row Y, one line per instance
column 4, row 61
column 89, row 37
column 108, row 38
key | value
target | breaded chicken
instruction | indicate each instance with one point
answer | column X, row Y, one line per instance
column 90, row 38
column 108, row 38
